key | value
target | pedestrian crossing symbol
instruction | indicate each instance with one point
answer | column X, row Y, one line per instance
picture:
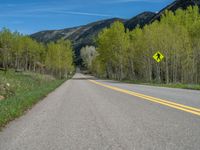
column 158, row 57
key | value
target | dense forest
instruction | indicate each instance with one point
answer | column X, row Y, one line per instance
column 122, row 54
column 24, row 54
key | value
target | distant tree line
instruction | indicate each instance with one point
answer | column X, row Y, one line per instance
column 123, row 54
column 23, row 53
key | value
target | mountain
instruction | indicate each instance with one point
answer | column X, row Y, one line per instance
column 84, row 35
column 177, row 4
column 141, row 19
column 80, row 36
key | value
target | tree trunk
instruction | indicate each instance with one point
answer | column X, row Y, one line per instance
column 167, row 71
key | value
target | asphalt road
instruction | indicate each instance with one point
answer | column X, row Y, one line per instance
column 108, row 115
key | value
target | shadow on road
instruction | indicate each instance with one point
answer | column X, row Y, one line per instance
column 84, row 78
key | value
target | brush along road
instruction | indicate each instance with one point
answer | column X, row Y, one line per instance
column 90, row 114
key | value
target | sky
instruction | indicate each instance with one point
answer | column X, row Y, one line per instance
column 30, row 16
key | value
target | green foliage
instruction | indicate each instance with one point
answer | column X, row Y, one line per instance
column 112, row 48
column 59, row 58
column 23, row 53
column 128, row 54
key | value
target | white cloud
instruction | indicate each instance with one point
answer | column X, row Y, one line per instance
column 43, row 11
column 84, row 13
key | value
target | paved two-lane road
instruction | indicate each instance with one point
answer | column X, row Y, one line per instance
column 108, row 115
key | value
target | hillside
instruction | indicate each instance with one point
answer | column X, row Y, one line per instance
column 80, row 36
column 84, row 35
column 182, row 4
column 141, row 20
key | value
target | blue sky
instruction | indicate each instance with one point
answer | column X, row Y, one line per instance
column 29, row 16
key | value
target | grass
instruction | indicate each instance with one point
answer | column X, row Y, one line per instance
column 21, row 91
column 170, row 85
column 179, row 85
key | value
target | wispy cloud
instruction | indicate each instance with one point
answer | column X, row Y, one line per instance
column 42, row 13
column 40, row 9
column 46, row 10
column 83, row 13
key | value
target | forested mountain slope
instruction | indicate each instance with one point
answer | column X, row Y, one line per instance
column 141, row 20
column 129, row 55
column 85, row 35
column 182, row 4
column 80, row 36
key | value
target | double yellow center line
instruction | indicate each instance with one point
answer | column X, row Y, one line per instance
column 168, row 103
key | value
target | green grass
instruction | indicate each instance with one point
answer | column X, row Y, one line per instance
column 171, row 85
column 179, row 85
column 25, row 90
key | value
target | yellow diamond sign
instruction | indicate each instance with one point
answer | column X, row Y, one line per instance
column 158, row 56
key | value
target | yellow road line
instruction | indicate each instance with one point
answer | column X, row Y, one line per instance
column 185, row 108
